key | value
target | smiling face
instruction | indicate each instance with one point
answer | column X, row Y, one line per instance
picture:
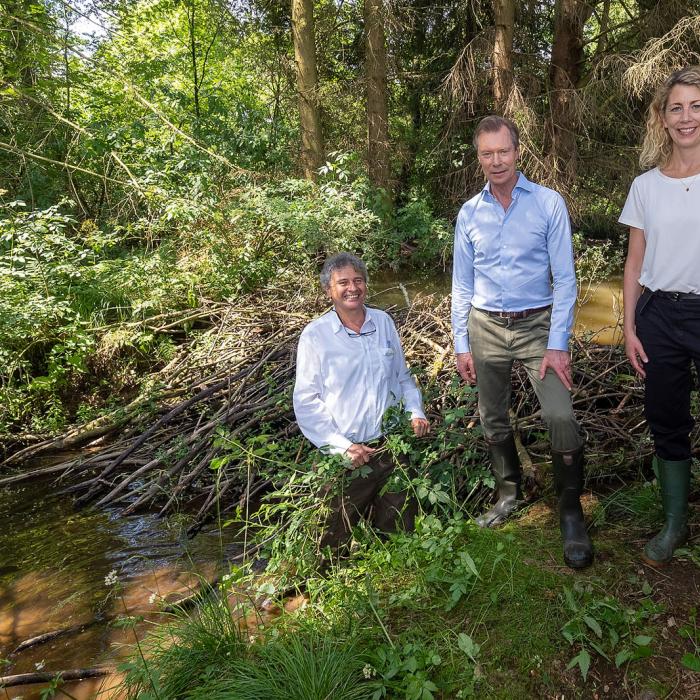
column 498, row 157
column 347, row 290
column 681, row 116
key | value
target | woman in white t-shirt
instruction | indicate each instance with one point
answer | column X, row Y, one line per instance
column 662, row 291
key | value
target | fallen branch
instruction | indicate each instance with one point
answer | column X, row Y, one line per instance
column 77, row 674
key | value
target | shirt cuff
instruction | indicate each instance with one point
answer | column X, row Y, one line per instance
column 417, row 413
column 462, row 345
column 336, row 445
column 558, row 341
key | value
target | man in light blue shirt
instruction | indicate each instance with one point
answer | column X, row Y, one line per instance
column 513, row 295
column 350, row 370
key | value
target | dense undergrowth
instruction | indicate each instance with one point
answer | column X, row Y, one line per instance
column 85, row 311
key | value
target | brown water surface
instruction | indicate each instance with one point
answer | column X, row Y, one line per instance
column 53, row 565
column 598, row 310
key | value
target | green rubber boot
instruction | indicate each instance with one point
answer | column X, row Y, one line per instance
column 505, row 465
column 674, row 481
column 568, row 483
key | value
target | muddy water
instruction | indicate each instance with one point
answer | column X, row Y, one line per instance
column 53, row 564
column 598, row 311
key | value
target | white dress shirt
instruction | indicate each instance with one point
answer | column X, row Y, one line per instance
column 345, row 381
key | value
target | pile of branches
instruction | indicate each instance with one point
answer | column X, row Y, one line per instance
column 238, row 375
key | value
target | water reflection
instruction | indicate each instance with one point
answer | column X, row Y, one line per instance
column 53, row 564
column 598, row 311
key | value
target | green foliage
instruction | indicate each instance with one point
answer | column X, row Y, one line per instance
column 191, row 650
column 691, row 632
column 637, row 503
column 406, row 671
column 299, row 664
column 429, row 238
column 606, row 627
column 595, row 263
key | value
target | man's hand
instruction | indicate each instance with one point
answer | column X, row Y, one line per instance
column 465, row 367
column 359, row 454
column 635, row 353
column 560, row 362
column 420, row 426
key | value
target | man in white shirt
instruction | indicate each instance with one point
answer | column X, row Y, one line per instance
column 350, row 370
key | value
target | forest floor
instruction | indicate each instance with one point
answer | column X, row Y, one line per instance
column 526, row 626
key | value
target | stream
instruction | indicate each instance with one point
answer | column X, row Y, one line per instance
column 53, row 565
column 54, row 560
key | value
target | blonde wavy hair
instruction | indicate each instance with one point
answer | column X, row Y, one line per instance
column 657, row 145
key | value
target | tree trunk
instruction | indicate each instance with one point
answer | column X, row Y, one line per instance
column 307, row 87
column 564, row 73
column 192, row 40
column 18, row 64
column 502, row 60
column 377, row 110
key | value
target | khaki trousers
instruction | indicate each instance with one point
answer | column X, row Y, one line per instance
column 361, row 498
column 495, row 344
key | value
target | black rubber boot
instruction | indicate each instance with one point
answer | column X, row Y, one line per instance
column 505, row 465
column 568, row 482
column 674, row 480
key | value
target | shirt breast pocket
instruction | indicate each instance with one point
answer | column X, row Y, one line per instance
column 387, row 359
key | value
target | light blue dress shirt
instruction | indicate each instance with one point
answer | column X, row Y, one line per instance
column 514, row 260
column 345, row 381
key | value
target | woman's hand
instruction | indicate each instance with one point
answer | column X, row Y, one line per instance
column 635, row 353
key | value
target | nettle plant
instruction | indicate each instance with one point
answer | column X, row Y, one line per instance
column 604, row 626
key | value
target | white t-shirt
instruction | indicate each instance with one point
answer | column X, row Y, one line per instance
column 669, row 215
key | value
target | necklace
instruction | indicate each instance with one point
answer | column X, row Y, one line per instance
column 686, row 184
column 688, row 181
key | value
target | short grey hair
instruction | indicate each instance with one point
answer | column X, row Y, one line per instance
column 336, row 262
column 494, row 123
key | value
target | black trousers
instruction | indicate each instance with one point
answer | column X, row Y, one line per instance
column 670, row 334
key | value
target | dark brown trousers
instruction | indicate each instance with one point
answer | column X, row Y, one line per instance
column 360, row 498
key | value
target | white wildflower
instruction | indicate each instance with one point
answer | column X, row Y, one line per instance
column 368, row 671
column 111, row 579
column 152, row 598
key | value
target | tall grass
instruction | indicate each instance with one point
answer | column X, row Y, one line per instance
column 301, row 664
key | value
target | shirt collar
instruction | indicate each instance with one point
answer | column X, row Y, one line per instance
column 523, row 183
column 337, row 325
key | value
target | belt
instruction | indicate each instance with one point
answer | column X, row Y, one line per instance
column 677, row 296
column 515, row 314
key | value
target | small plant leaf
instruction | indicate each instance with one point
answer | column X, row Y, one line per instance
column 593, row 624
column 622, row 656
column 642, row 640
column 467, row 645
column 691, row 661
column 466, row 558
column 583, row 661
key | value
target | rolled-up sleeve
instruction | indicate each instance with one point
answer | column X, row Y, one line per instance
column 314, row 419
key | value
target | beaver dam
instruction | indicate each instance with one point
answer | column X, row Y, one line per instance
column 231, row 383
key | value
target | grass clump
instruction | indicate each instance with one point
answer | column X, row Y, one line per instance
column 300, row 664
column 188, row 652
column 210, row 656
